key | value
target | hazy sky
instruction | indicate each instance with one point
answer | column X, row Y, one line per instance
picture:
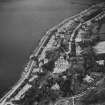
column 22, row 24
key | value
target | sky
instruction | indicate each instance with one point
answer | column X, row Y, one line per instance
column 22, row 24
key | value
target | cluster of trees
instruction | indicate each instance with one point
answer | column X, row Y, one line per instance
column 95, row 96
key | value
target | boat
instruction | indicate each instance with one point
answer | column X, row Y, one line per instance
column 66, row 66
